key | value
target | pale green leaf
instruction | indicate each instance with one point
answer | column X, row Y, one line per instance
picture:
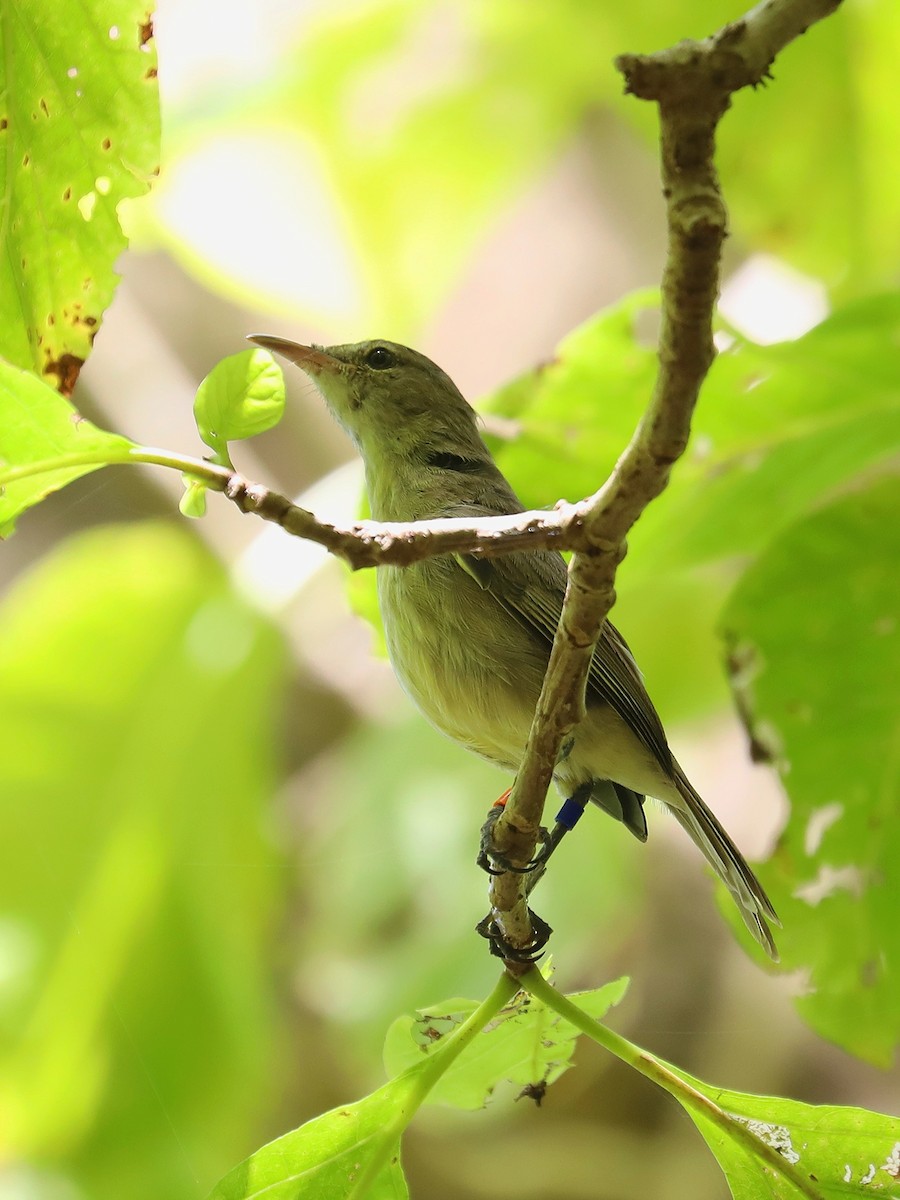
column 769, row 1147
column 776, row 427
column 570, row 418
column 37, row 424
column 527, row 1044
column 242, row 396
column 193, row 500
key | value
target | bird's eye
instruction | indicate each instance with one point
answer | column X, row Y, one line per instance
column 380, row 358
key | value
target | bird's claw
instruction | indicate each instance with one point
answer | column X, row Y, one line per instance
column 489, row 928
column 491, row 860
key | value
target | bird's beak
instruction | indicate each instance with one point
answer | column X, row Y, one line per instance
column 308, row 358
column 332, row 376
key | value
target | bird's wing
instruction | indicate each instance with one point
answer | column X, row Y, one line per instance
column 530, row 585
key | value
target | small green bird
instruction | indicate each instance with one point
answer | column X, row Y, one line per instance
column 469, row 638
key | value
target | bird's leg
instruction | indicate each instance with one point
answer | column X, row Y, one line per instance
column 489, row 858
column 567, row 818
column 495, row 863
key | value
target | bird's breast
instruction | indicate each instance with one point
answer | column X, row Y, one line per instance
column 469, row 667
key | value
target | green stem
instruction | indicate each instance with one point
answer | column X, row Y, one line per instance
column 691, row 1099
column 213, row 475
column 426, row 1076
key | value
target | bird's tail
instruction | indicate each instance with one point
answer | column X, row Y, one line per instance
column 727, row 861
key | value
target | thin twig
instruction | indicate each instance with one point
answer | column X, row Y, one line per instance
column 373, row 544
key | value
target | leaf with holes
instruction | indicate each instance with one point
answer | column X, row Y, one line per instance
column 79, row 132
column 814, row 631
column 772, row 1148
column 528, row 1044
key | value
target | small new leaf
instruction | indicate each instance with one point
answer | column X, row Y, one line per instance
column 193, row 501
column 243, row 395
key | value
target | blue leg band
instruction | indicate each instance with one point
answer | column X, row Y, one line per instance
column 571, row 813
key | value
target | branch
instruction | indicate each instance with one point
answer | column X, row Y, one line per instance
column 394, row 543
column 363, row 544
column 692, row 84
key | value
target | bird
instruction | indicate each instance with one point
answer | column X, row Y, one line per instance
column 469, row 637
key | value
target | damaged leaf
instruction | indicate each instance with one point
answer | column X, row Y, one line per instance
column 815, row 624
column 79, row 133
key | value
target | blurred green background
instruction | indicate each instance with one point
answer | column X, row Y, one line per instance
column 231, row 853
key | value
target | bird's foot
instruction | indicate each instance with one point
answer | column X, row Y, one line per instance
column 490, row 859
column 490, row 928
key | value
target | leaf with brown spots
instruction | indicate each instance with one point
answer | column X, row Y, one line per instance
column 527, row 1044
column 64, row 371
column 84, row 135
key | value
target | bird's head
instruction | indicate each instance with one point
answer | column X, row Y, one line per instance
column 393, row 401
column 416, row 433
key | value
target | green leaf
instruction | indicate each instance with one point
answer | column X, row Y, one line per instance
column 570, row 418
column 527, row 1044
column 778, row 429
column 814, row 631
column 243, row 395
column 833, row 1153
column 36, row 425
column 139, row 702
column 79, row 133
column 322, row 1159
column 769, row 1148
column 353, row 1152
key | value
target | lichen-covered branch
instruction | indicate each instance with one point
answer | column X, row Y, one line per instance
column 373, row 544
